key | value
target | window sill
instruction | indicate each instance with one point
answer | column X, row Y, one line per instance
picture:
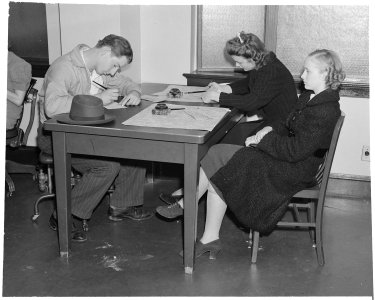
column 350, row 88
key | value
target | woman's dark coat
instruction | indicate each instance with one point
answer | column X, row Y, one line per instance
column 269, row 91
column 258, row 183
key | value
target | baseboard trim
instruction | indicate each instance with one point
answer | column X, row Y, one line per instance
column 350, row 177
column 349, row 186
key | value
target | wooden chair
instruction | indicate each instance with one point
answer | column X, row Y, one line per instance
column 313, row 203
column 16, row 138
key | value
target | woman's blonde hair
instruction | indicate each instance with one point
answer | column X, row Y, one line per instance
column 333, row 66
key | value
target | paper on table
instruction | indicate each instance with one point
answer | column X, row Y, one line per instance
column 190, row 117
column 196, row 97
column 114, row 105
column 154, row 98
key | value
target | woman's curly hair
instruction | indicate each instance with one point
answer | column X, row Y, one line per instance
column 248, row 45
column 332, row 64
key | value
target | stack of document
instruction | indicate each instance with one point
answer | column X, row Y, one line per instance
column 180, row 116
column 186, row 96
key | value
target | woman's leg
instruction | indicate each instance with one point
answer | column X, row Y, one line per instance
column 216, row 208
column 202, row 186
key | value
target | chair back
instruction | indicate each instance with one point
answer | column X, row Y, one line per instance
column 15, row 136
column 324, row 171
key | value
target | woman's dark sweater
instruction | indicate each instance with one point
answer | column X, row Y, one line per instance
column 269, row 90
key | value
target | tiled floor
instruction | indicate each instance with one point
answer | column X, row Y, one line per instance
column 141, row 258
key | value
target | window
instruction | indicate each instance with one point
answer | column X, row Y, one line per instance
column 290, row 31
column 27, row 34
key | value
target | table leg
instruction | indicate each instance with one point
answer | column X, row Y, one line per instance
column 191, row 171
column 62, row 168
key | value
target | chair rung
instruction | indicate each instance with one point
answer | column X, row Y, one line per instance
column 299, row 205
column 308, row 193
column 296, row 224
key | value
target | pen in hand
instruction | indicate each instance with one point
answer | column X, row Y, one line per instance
column 105, row 88
column 102, row 86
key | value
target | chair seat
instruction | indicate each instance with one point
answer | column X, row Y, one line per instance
column 45, row 158
column 11, row 133
column 312, row 192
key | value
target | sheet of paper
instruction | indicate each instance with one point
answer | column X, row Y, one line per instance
column 189, row 117
column 114, row 105
column 154, row 98
column 185, row 89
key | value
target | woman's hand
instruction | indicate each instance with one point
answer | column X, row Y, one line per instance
column 211, row 97
column 251, row 140
column 255, row 139
column 221, row 88
column 261, row 133
column 133, row 98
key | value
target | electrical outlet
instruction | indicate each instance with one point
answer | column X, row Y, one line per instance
column 366, row 153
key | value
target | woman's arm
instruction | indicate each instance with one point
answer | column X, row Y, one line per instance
column 241, row 86
column 265, row 86
column 314, row 130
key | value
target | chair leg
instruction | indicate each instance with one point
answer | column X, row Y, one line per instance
column 311, row 219
column 11, row 186
column 254, row 240
column 35, row 216
column 296, row 213
column 319, row 244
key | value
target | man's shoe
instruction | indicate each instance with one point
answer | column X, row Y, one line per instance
column 171, row 211
column 136, row 213
column 169, row 198
column 77, row 235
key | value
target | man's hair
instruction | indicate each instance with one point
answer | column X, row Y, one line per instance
column 119, row 46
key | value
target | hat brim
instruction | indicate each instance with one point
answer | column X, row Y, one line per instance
column 65, row 118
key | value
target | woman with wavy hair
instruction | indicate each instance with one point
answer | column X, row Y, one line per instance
column 256, row 182
column 268, row 91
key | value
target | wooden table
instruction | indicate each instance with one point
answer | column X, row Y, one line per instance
column 114, row 139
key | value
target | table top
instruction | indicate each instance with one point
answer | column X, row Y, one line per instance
column 117, row 129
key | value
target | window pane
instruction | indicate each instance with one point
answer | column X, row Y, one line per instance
column 221, row 23
column 344, row 29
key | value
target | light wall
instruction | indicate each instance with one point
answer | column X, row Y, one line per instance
column 162, row 36
column 165, row 41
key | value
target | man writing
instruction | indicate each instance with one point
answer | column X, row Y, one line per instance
column 86, row 70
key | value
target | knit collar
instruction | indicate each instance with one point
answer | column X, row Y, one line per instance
column 328, row 95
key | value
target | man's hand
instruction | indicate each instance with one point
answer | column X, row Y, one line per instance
column 108, row 96
column 133, row 98
column 211, row 97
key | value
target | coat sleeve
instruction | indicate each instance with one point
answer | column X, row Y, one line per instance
column 121, row 82
column 240, row 86
column 57, row 99
column 267, row 84
column 314, row 132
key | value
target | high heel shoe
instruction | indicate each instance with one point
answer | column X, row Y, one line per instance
column 213, row 248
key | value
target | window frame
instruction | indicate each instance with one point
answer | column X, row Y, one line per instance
column 270, row 36
column 352, row 87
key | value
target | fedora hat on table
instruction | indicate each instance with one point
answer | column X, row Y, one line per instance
column 86, row 110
